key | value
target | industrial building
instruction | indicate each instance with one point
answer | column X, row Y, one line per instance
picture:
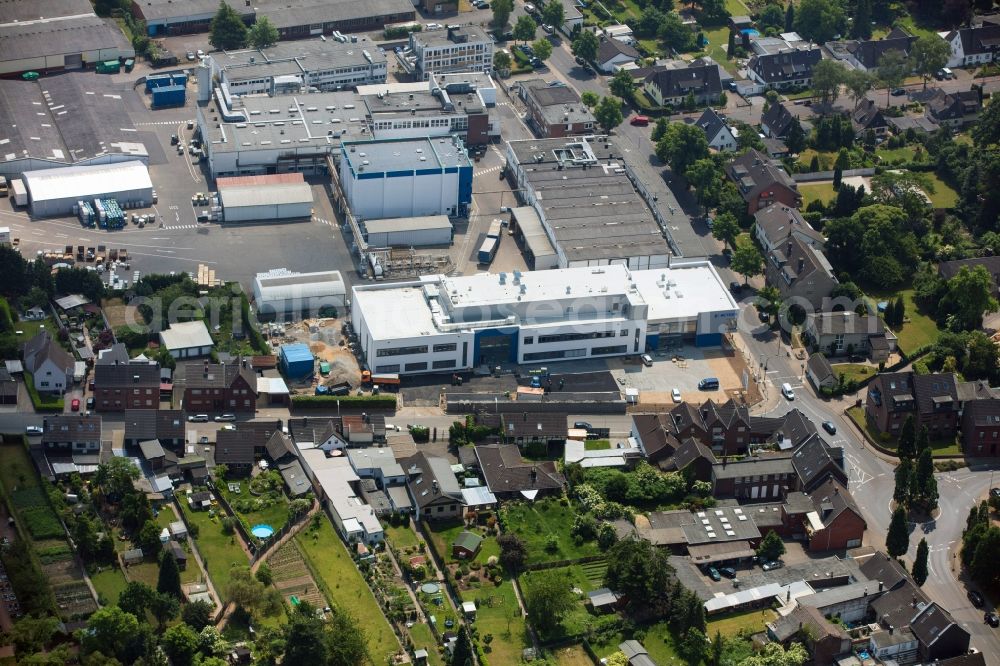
column 415, row 110
column 53, row 35
column 465, row 48
column 441, row 323
column 54, row 192
column 585, row 195
column 291, row 67
column 408, row 231
column 265, row 198
column 406, row 177
column 295, row 360
column 294, row 19
column 280, row 293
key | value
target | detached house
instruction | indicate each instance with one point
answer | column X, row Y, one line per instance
column 132, row 385
column 973, row 46
column 71, row 433
column 433, row 487
column 931, row 399
column 613, row 53
column 800, row 271
column 218, row 387
column 774, row 225
column 957, row 109
column 762, row 182
column 50, row 365
column 866, row 55
column 844, row 333
column 868, row 117
column 949, row 269
column 785, row 69
column 777, row 121
column 555, row 109
column 717, row 132
column 509, row 476
column 672, row 86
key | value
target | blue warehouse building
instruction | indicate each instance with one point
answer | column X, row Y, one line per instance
column 295, row 360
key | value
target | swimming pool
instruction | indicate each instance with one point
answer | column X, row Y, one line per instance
column 262, row 531
column 750, row 32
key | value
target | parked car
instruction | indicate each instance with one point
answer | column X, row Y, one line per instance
column 675, row 395
column 708, row 384
column 728, row 572
column 582, row 425
column 898, row 92
column 198, row 418
column 772, row 565
column 830, row 427
column 647, row 360
column 639, row 121
column 992, row 619
column 75, row 405
column 190, row 55
column 31, row 431
column 995, row 492
column 735, row 287
column 548, row 28
column 976, row 598
column 90, row 402
column 786, row 390
column 713, row 573
column 221, row 418
column 201, row 54
column 580, row 61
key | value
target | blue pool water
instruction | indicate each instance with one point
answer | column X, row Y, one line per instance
column 750, row 32
column 262, row 531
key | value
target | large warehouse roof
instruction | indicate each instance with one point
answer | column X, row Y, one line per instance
column 84, row 182
column 266, row 195
column 282, row 285
column 390, row 224
column 65, row 35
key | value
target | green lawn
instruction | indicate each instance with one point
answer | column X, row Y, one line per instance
column 826, row 158
column 29, row 329
column 904, row 154
column 943, row 196
column 856, row 371
column 940, row 447
column 536, row 522
column 597, row 445
column 572, row 655
column 109, row 584
column 43, row 402
column 658, row 642
column 718, row 45
column 731, row 624
column 918, row 329
column 822, row 191
column 401, row 537
column 423, row 637
column 492, row 604
column 218, row 551
column 444, row 532
column 341, row 581
column 275, row 515
column 579, row 620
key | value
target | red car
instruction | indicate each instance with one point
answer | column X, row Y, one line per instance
column 641, row 121
column 75, row 405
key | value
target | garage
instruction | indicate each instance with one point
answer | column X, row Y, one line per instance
column 408, row 231
column 263, row 203
column 54, row 192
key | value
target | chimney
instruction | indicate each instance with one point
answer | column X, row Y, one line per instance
column 880, row 586
column 534, row 475
column 789, row 249
column 891, row 629
column 802, row 264
column 435, row 485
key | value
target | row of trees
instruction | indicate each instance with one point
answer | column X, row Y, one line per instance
column 980, row 545
column 227, row 31
column 916, row 486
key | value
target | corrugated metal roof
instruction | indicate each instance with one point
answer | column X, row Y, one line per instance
column 269, row 195
column 297, row 352
column 388, row 225
column 270, row 179
column 84, row 182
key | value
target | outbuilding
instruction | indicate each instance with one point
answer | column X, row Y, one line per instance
column 281, row 293
column 409, row 231
column 53, row 192
column 295, row 360
column 266, row 202
column 187, row 339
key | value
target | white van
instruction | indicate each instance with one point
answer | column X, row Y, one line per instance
column 786, row 390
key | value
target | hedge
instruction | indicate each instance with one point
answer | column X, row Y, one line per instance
column 42, row 403
column 328, row 401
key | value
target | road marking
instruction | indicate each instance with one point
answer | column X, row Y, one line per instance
column 181, row 226
column 486, row 171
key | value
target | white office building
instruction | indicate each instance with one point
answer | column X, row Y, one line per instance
column 441, row 323
column 464, row 48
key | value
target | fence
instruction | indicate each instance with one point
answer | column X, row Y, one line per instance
column 258, row 546
column 828, row 175
column 488, row 404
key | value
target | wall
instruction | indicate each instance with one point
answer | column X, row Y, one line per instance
column 378, row 195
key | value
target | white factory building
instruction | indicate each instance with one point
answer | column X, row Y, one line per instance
column 406, row 177
column 408, row 231
column 292, row 67
column 265, row 198
column 53, row 192
column 442, row 323
column 281, row 293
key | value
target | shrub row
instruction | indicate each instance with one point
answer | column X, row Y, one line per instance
column 328, row 401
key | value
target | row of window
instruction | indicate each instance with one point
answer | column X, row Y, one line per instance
column 568, row 337
column 762, row 477
column 610, row 349
column 554, row 354
column 402, row 351
column 417, row 367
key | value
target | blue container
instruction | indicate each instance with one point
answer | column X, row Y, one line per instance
column 295, row 360
column 154, row 81
column 168, row 96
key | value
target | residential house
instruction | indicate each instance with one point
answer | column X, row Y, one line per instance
column 555, row 109
column 296, row 482
column 613, row 53
column 825, row 640
column 764, row 478
column 8, row 388
column 508, row 476
column 920, row 124
column 915, row 628
column 786, row 69
column 820, row 372
column 940, row 635
column 337, row 488
column 653, row 437
column 848, row 333
column 187, row 339
column 774, row 225
column 317, row 433
column 433, row 487
column 717, row 132
column 957, row 109
column 866, row 55
column 674, row 86
column 835, row 523
column 50, row 365
column 131, row 385
column 815, row 462
column 533, row 428
column 762, row 182
column 167, row 426
column 981, row 428
column 887, row 571
column 949, row 269
column 775, row 148
column 777, row 121
column 622, row 33
column 867, row 117
column 801, row 273
column 152, row 453
column 218, row 387
column 279, row 447
column 972, row 46
column 931, row 399
column 240, row 447
column 379, row 464
column 71, row 433
column 691, row 457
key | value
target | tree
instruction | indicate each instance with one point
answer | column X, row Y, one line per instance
column 180, row 642
column 227, row 31
column 769, row 301
column 589, row 98
column 726, row 229
column 501, row 61
column 820, row 20
column 649, row 22
column 553, row 14
column 109, row 631
column 731, row 46
column 771, row 16
column 861, row 27
column 713, row 12
column 858, row 84
column 462, row 654
column 548, row 598
column 706, row 179
column 919, row 570
column 542, row 48
column 169, row 581
column 586, row 45
column 262, row 34
column 681, row 146
column 904, row 482
column 771, row 547
column 692, row 646
column 747, row 261
column 924, row 480
column 838, row 177
column 796, row 139
column 148, row 538
column 643, row 574
column 927, row 55
column 513, row 551
column 32, row 634
column 774, row 654
column 135, row 598
column 608, row 113
column 251, row 595
column 907, row 438
column 501, row 12
column 983, row 360
column 828, row 75
column 892, row 69
column 622, row 84
column 660, row 128
column 264, row 574
column 525, row 28
column 304, row 638
column 897, row 542
column 968, row 296
column 790, row 17
column 197, row 614
column 985, row 132
column 675, row 34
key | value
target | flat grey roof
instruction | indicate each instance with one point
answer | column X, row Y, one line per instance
column 433, row 38
column 293, row 57
column 534, row 233
column 420, row 101
column 265, row 195
column 407, row 154
column 72, row 35
column 283, row 13
column 31, row 10
column 407, row 224
column 720, row 524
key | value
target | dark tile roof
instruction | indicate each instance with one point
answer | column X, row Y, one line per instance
column 689, row 451
column 870, row 52
column 754, row 172
column 975, row 41
column 930, row 390
column 710, row 123
column 982, row 412
column 506, row 472
column 656, row 440
column 430, row 478
column 778, row 120
column 932, row 622
column 867, row 116
column 813, row 462
column 778, row 221
column 116, row 353
column 832, row 499
column 728, row 414
column 236, row 447
column 127, row 375
column 820, row 366
column 884, row 569
column 165, row 424
column 953, row 106
column 71, row 427
column 835, row 323
column 698, row 79
column 949, row 269
column 45, row 348
column 534, row 425
column 216, row 375
column 786, row 65
column 898, row 607
column 610, row 48
column 279, row 446
column 798, row 260
column 796, row 427
column 787, row 627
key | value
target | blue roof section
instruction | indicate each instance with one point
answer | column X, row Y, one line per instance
column 296, row 353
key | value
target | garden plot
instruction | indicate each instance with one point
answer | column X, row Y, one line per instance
column 74, row 600
column 291, row 575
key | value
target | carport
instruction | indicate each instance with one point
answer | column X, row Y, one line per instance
column 711, row 553
column 530, row 235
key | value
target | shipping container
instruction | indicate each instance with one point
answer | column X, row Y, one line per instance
column 168, row 96
column 488, row 250
column 109, row 67
column 129, row 64
column 20, row 192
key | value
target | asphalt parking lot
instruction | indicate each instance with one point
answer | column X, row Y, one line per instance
column 692, row 365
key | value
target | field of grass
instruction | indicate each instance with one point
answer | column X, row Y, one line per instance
column 940, row 447
column 597, row 445
column 536, row 522
column 586, row 578
column 943, row 196
column 109, row 583
column 918, row 329
column 28, row 494
column 275, row 515
column 218, row 551
column 826, row 158
column 423, row 637
column 904, row 154
column 29, row 329
column 730, row 625
column 822, row 191
column 718, row 44
column 444, row 533
column 341, row 581
column 495, row 604
column 401, row 536
column 856, row 371
column 573, row 655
